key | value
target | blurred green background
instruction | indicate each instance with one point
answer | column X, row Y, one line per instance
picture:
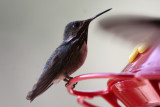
column 30, row 30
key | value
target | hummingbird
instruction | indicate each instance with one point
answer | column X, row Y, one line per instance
column 66, row 59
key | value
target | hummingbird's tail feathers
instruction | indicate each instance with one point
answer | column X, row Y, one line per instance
column 45, row 81
column 36, row 91
column 52, row 72
column 31, row 94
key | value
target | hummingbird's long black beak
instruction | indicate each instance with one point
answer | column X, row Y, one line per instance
column 89, row 20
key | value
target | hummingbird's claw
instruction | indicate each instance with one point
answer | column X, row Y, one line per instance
column 74, row 85
column 67, row 79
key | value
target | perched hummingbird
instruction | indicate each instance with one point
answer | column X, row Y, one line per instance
column 66, row 59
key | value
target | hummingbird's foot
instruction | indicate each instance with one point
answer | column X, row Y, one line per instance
column 74, row 85
column 67, row 79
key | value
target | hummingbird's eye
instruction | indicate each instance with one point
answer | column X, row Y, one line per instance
column 76, row 25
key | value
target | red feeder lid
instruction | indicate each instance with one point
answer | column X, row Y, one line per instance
column 144, row 92
column 136, row 86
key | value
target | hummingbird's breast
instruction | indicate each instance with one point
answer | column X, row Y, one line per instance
column 78, row 59
column 83, row 54
column 75, row 62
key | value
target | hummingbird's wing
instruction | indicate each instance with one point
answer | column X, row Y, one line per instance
column 133, row 28
column 52, row 69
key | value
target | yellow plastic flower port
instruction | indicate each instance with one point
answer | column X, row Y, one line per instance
column 140, row 48
column 133, row 55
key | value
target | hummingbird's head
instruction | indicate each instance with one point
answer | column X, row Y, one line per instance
column 79, row 28
column 73, row 28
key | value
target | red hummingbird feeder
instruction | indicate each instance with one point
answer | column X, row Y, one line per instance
column 138, row 85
